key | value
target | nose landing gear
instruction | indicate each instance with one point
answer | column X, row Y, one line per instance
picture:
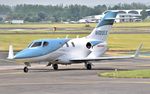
column 26, row 69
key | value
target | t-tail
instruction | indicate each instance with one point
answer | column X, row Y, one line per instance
column 104, row 26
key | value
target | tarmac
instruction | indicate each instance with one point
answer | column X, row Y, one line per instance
column 73, row 79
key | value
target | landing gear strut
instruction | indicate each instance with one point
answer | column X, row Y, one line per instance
column 88, row 66
column 55, row 66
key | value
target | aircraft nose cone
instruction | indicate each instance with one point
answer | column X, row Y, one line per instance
column 27, row 53
column 21, row 55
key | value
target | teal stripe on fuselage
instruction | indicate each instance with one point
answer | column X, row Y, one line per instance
column 108, row 19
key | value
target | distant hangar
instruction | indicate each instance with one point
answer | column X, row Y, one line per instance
column 123, row 16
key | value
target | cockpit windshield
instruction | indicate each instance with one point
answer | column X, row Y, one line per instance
column 36, row 44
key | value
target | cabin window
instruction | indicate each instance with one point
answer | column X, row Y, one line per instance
column 36, row 44
column 45, row 44
column 73, row 44
column 67, row 45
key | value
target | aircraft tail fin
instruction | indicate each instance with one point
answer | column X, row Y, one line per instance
column 11, row 52
column 103, row 27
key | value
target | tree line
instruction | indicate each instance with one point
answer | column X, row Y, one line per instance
column 57, row 13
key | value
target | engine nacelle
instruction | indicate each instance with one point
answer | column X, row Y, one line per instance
column 98, row 50
column 89, row 45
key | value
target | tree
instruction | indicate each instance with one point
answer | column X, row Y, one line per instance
column 144, row 14
column 42, row 16
column 99, row 9
column 1, row 19
column 4, row 9
column 59, row 13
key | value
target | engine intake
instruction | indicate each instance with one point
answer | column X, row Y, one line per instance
column 89, row 45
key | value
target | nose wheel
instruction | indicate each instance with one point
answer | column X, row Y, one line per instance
column 25, row 69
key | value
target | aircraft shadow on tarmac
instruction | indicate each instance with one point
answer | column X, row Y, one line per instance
column 73, row 69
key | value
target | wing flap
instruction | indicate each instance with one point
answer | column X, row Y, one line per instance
column 103, row 58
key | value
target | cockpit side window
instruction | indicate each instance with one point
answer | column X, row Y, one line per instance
column 36, row 44
column 45, row 44
column 30, row 45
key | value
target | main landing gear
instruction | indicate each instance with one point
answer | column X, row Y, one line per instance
column 25, row 69
column 88, row 66
column 55, row 66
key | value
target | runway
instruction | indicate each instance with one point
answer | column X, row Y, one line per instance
column 73, row 79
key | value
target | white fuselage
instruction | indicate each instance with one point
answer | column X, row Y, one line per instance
column 74, row 48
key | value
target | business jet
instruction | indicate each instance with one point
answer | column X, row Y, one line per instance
column 70, row 51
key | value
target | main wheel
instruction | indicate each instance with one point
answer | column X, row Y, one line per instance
column 55, row 66
column 88, row 66
column 25, row 69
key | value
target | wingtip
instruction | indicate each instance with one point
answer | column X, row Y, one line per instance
column 138, row 50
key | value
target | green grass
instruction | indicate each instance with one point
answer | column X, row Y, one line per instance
column 129, row 41
column 133, row 24
column 61, row 25
column 39, row 31
column 127, row 74
column 21, row 41
column 140, row 26
column 35, row 25
column 116, row 41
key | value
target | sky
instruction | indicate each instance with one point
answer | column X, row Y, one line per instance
column 68, row 2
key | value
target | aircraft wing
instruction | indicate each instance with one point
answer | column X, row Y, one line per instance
column 102, row 58
column 110, row 58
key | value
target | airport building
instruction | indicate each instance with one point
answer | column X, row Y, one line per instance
column 17, row 21
column 91, row 19
column 123, row 16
